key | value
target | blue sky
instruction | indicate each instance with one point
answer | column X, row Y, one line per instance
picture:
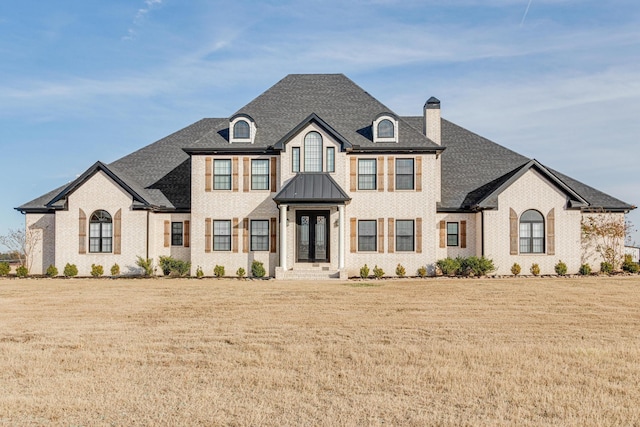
column 81, row 81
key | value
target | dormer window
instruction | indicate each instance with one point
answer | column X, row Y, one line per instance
column 385, row 129
column 242, row 129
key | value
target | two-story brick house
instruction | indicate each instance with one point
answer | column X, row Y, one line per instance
column 314, row 178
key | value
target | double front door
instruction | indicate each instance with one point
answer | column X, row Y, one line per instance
column 312, row 236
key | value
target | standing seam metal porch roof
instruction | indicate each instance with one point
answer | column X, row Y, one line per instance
column 312, row 187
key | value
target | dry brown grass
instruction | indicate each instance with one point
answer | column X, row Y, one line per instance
column 401, row 352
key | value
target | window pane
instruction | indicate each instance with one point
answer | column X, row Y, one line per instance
column 222, row 174
column 176, row 234
column 295, row 159
column 221, row 235
column 241, row 129
column 331, row 159
column 260, row 174
column 452, row 234
column 385, row 129
column 313, row 152
column 404, row 235
column 367, row 235
column 404, row 174
column 259, row 235
column 366, row 174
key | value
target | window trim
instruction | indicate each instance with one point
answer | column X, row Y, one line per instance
column 254, row 175
column 103, row 240
column 531, row 240
column 214, row 234
column 266, row 236
column 374, row 235
column 215, row 184
column 398, row 236
column 413, row 173
column 456, row 235
column 374, row 174
column 175, row 236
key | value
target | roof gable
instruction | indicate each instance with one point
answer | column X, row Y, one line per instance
column 313, row 118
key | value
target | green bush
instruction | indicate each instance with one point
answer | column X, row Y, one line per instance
column 218, row 271
column 448, row 266
column 174, row 267
column 240, row 272
column 52, row 271
column 115, row 270
column 585, row 269
column 422, row 272
column 476, row 266
column 5, row 268
column 606, row 268
column 146, row 264
column 22, row 271
column 364, row 271
column 400, row 271
column 378, row 272
column 70, row 270
column 628, row 265
column 199, row 272
column 560, row 268
column 96, row 270
column 535, row 269
column 257, row 269
column 515, row 269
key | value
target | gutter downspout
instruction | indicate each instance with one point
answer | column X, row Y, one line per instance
column 147, row 249
column 482, row 232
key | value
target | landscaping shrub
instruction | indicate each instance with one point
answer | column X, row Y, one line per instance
column 448, row 266
column 515, row 269
column 115, row 270
column 400, row 271
column 535, row 269
column 218, row 271
column 70, row 270
column 476, row 266
column 146, row 264
column 96, row 270
column 52, row 271
column 422, row 272
column 240, row 272
column 257, row 269
column 560, row 268
column 199, row 272
column 5, row 268
column 628, row 265
column 585, row 269
column 364, row 271
column 606, row 268
column 378, row 272
column 174, row 267
column 22, row 271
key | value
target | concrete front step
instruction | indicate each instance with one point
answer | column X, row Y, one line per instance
column 308, row 274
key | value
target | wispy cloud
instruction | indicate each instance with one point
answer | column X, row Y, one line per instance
column 139, row 18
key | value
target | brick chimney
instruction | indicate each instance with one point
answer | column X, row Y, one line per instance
column 432, row 120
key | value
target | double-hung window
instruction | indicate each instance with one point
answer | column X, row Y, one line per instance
column 222, row 174
column 260, row 174
column 366, row 174
column 404, row 174
column 405, row 235
column 259, row 235
column 176, row 233
column 452, row 234
column 367, row 235
column 221, row 235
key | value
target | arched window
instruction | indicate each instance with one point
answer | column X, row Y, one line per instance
column 241, row 130
column 385, row 129
column 313, row 152
column 531, row 232
column 100, row 232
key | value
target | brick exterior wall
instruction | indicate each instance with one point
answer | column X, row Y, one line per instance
column 43, row 253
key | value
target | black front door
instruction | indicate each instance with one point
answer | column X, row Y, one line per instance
column 312, row 236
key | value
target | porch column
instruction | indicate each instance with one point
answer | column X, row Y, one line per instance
column 283, row 236
column 341, row 237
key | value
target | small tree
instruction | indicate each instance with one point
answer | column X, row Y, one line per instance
column 605, row 233
column 23, row 243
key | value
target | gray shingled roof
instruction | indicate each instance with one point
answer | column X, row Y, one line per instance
column 312, row 187
column 472, row 166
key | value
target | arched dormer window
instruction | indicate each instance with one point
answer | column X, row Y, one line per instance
column 100, row 232
column 531, row 232
column 313, row 152
column 385, row 129
column 241, row 130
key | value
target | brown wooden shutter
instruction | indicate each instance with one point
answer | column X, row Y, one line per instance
column 381, row 235
column 443, row 234
column 234, row 241
column 551, row 232
column 463, row 234
column 273, row 174
column 117, row 233
column 234, row 174
column 273, row 235
column 391, row 171
column 392, row 240
column 208, row 172
column 419, row 235
column 513, row 232
column 207, row 235
column 187, row 234
column 246, row 176
column 82, row 232
column 354, row 238
column 419, row 173
column 354, row 174
column 167, row 234
column 380, row 167
column 245, row 235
